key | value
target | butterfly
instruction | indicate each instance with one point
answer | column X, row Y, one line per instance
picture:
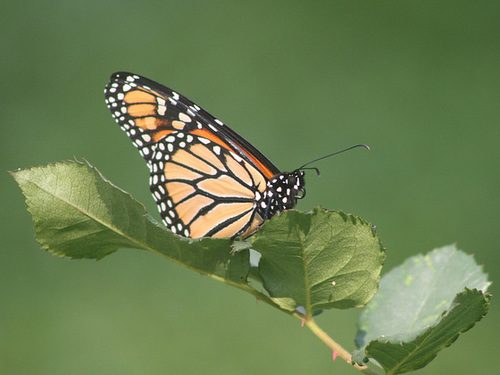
column 207, row 180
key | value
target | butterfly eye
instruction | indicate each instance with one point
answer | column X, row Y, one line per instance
column 301, row 193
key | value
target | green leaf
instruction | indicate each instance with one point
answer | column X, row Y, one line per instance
column 79, row 214
column 310, row 260
column 321, row 260
column 417, row 311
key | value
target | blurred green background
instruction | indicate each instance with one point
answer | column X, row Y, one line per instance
column 417, row 81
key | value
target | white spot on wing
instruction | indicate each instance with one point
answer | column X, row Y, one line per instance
column 161, row 109
column 184, row 118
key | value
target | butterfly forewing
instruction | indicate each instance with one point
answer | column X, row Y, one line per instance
column 145, row 108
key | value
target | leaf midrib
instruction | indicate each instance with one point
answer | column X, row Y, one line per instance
column 92, row 217
column 307, row 287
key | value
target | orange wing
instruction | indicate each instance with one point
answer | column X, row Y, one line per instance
column 207, row 180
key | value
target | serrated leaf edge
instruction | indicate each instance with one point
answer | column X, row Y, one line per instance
column 395, row 339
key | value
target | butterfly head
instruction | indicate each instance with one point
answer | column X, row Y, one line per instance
column 283, row 191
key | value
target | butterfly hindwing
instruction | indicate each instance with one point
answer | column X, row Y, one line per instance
column 204, row 190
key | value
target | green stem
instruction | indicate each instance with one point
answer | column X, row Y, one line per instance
column 332, row 344
column 310, row 323
column 262, row 297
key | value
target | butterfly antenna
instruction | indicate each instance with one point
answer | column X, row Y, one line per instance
column 335, row 153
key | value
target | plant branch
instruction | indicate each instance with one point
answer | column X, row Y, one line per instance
column 336, row 347
column 310, row 323
column 264, row 298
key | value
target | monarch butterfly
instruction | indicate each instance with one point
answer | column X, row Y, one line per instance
column 206, row 180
